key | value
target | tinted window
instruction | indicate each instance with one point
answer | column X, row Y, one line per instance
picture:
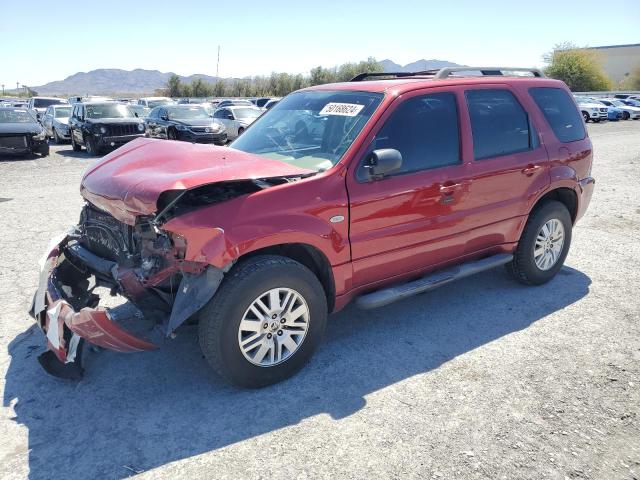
column 425, row 131
column 499, row 123
column 561, row 113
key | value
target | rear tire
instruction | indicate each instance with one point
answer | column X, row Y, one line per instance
column 539, row 257
column 233, row 350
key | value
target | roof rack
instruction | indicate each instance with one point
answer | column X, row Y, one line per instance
column 447, row 72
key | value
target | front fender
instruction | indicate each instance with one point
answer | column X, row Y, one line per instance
column 313, row 212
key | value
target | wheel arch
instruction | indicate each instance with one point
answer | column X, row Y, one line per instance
column 309, row 256
column 565, row 195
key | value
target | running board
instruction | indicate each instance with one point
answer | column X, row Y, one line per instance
column 432, row 281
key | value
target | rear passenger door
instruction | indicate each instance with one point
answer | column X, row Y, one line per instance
column 509, row 166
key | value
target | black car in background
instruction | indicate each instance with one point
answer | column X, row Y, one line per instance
column 20, row 133
column 103, row 125
column 191, row 123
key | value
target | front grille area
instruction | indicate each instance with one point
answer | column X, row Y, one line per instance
column 13, row 141
column 200, row 129
column 105, row 236
column 121, row 129
column 603, row 109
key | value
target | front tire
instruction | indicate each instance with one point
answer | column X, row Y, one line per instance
column 56, row 138
column 74, row 145
column 585, row 116
column 543, row 246
column 625, row 115
column 264, row 322
column 91, row 146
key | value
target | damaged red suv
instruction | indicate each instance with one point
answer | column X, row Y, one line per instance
column 373, row 190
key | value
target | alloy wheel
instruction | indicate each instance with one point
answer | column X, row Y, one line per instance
column 548, row 245
column 274, row 327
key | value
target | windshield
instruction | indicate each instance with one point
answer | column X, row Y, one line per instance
column 188, row 113
column 45, row 102
column 617, row 103
column 16, row 116
column 247, row 112
column 310, row 129
column 108, row 110
column 159, row 103
column 63, row 112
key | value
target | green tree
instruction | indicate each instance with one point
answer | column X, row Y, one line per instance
column 579, row 68
column 174, row 86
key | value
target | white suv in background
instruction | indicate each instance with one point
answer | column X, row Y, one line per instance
column 592, row 111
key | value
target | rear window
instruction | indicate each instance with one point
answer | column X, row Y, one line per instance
column 561, row 113
column 499, row 124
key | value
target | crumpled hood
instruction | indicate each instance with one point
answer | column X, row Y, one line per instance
column 128, row 181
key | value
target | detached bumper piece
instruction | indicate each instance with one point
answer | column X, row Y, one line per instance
column 67, row 317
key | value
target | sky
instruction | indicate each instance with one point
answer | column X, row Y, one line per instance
column 43, row 42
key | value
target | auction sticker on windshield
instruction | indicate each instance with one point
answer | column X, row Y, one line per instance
column 343, row 109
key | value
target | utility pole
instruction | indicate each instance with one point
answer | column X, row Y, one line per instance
column 3, row 89
column 218, row 64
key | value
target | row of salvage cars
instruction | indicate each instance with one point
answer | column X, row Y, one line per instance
column 101, row 125
column 597, row 109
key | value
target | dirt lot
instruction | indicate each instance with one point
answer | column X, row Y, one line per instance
column 480, row 379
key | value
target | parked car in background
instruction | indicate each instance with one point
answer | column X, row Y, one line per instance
column 191, row 123
column 627, row 110
column 139, row 111
column 271, row 103
column 102, row 125
column 236, row 118
column 192, row 100
column 613, row 113
column 20, row 132
column 260, row 102
column 592, row 110
column 234, row 101
column 631, row 102
column 56, row 122
column 153, row 102
column 38, row 105
column 89, row 98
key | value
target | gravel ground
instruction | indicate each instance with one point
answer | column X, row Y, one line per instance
column 480, row 379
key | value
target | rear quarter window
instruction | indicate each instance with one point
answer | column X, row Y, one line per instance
column 561, row 113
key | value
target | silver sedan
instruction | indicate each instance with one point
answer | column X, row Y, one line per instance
column 56, row 122
column 237, row 118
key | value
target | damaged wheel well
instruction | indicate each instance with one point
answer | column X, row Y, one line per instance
column 310, row 257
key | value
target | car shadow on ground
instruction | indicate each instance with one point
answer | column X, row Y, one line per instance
column 66, row 150
column 144, row 410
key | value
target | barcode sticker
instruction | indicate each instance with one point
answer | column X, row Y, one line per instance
column 342, row 109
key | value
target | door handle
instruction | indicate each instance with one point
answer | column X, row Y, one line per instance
column 449, row 188
column 531, row 169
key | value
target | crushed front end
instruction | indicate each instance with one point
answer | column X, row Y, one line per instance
column 140, row 262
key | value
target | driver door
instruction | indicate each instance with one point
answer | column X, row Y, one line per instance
column 413, row 218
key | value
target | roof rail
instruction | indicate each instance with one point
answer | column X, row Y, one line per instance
column 486, row 71
column 446, row 72
column 361, row 76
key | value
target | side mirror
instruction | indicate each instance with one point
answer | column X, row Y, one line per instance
column 230, row 117
column 136, row 114
column 383, row 162
column 164, row 117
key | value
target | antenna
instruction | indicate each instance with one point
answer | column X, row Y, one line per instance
column 218, row 64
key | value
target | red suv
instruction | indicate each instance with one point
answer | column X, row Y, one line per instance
column 372, row 190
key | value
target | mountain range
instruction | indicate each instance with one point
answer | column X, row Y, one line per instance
column 110, row 81
column 417, row 66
